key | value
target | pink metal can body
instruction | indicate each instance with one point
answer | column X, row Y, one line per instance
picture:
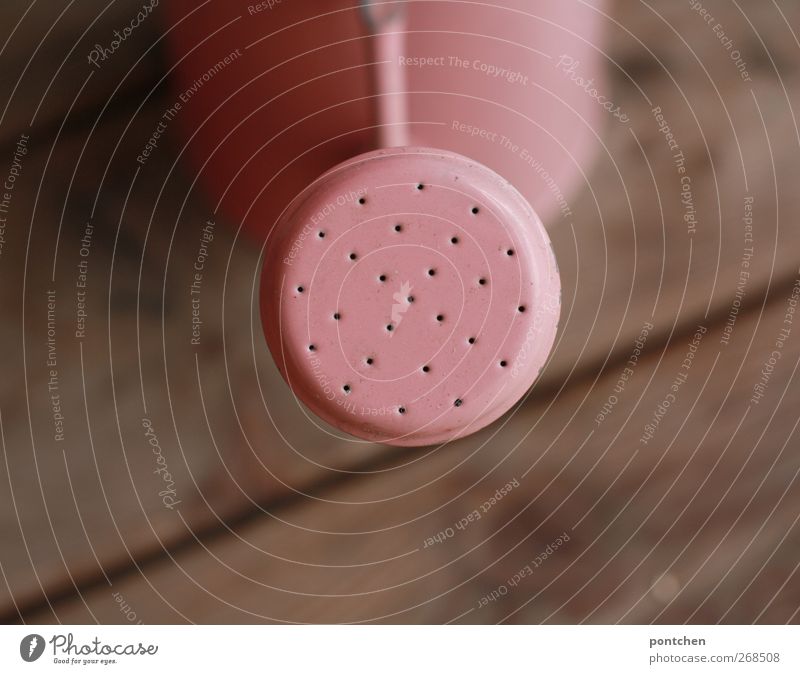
column 274, row 93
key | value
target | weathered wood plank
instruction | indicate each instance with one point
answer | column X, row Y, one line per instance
column 632, row 256
column 102, row 484
column 698, row 524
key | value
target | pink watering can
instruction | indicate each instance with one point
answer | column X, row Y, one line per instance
column 397, row 160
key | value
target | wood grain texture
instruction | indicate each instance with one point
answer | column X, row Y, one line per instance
column 631, row 256
column 698, row 525
column 240, row 450
column 94, row 499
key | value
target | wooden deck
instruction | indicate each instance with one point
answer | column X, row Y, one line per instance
column 676, row 508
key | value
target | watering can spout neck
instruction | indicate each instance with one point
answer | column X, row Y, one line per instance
column 386, row 23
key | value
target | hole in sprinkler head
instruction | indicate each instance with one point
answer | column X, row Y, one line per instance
column 336, row 316
column 482, row 281
column 475, row 210
column 440, row 318
column 458, row 402
column 362, row 201
column 398, row 228
column 390, row 327
column 321, row 235
column 411, row 299
column 346, row 388
column 431, row 272
column 503, row 363
column 370, row 361
column 420, row 186
column 471, row 340
column 311, row 347
column 510, row 252
column 401, row 410
column 353, row 256
column 426, row 369
column 521, row 309
column 382, row 278
column 454, row 240
column 301, row 289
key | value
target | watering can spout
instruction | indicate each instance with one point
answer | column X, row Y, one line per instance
column 386, row 24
